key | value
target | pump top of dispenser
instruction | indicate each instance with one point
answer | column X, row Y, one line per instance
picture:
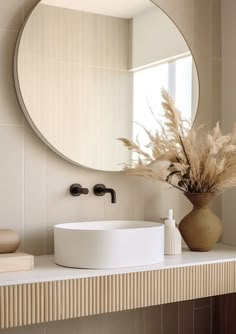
column 170, row 222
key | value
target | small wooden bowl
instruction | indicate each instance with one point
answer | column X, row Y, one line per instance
column 9, row 241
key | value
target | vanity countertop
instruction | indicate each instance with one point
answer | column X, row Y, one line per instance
column 50, row 292
column 46, row 270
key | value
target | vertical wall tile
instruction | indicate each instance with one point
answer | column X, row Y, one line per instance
column 34, row 329
column 11, row 178
column 152, row 320
column 223, row 314
column 216, row 29
column 216, row 91
column 73, row 326
column 61, row 207
column 11, row 14
column 64, row 326
column 34, row 193
column 12, row 331
column 10, row 112
column 139, row 317
column 53, row 193
column 216, row 116
column 228, row 216
column 119, row 322
column 228, row 109
column 129, row 197
column 7, row 46
column 202, row 302
column 182, row 13
column 93, row 207
column 28, row 6
column 159, row 198
column 202, row 321
column 228, row 64
column 9, row 107
column 170, row 318
column 186, row 321
column 202, row 52
column 116, row 323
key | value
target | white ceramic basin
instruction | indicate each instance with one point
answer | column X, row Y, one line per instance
column 108, row 244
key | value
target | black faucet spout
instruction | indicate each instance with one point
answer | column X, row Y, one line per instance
column 113, row 194
column 101, row 190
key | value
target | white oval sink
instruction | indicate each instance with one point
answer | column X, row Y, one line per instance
column 108, row 244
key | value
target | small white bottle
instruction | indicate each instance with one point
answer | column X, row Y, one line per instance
column 172, row 244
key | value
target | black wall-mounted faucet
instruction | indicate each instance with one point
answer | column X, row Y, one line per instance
column 76, row 190
column 101, row 190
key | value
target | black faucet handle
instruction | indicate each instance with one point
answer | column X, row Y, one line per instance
column 99, row 189
column 76, row 190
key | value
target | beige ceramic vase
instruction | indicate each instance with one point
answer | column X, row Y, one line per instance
column 201, row 228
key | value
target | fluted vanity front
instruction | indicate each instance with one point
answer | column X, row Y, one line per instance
column 50, row 292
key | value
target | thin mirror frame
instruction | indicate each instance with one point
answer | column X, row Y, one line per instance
column 27, row 113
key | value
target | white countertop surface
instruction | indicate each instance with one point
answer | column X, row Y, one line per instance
column 46, row 270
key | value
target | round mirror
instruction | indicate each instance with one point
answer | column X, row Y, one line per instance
column 87, row 72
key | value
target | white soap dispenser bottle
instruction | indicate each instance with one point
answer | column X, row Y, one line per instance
column 173, row 244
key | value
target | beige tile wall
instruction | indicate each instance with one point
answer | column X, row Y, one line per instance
column 34, row 181
column 223, row 314
column 200, row 23
column 228, row 106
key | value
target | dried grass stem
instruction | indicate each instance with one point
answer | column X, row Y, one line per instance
column 191, row 161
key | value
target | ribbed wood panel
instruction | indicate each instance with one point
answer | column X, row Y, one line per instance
column 28, row 304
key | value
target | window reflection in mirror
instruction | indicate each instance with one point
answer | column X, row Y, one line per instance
column 178, row 77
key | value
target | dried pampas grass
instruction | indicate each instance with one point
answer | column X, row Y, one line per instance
column 192, row 161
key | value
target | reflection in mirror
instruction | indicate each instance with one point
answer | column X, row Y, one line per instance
column 86, row 71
